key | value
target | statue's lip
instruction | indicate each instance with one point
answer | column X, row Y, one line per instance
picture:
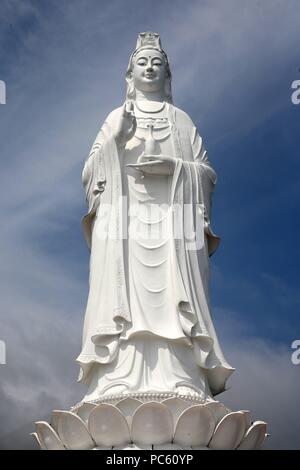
column 149, row 75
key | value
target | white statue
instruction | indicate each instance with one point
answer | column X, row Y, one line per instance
column 150, row 356
column 148, row 324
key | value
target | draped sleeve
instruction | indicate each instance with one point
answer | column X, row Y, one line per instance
column 197, row 171
column 94, row 174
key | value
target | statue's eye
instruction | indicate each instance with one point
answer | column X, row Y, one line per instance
column 142, row 63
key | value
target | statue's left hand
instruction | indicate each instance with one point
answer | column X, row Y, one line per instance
column 155, row 164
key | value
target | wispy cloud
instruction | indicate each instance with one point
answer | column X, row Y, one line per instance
column 267, row 384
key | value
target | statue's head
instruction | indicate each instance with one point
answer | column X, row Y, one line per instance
column 148, row 69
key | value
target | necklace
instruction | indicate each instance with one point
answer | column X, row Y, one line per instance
column 150, row 106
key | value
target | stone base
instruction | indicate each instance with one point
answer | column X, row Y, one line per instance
column 155, row 421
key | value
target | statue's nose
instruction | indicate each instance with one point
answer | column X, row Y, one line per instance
column 149, row 68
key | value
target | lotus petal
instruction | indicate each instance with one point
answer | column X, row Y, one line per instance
column 248, row 418
column 103, row 448
column 195, row 426
column 152, row 423
column 169, row 447
column 72, row 430
column 47, row 437
column 176, row 406
column 200, row 448
column 127, row 406
column 229, row 432
column 85, row 410
column 108, row 426
column 37, row 439
column 55, row 416
column 254, row 437
column 133, row 447
column 217, row 409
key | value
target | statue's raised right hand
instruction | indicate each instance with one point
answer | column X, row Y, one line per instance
column 127, row 124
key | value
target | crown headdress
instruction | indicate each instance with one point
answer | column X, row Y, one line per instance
column 148, row 39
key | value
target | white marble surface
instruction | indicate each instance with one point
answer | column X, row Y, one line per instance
column 148, row 322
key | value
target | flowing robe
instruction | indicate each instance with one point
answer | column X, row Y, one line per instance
column 150, row 347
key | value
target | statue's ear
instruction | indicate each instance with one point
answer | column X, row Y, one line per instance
column 129, row 76
column 168, row 89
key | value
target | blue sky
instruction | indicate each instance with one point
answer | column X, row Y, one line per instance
column 233, row 63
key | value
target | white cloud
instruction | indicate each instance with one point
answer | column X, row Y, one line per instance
column 268, row 384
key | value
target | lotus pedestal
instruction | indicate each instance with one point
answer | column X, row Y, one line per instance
column 150, row 421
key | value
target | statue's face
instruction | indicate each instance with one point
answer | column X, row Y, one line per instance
column 149, row 70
